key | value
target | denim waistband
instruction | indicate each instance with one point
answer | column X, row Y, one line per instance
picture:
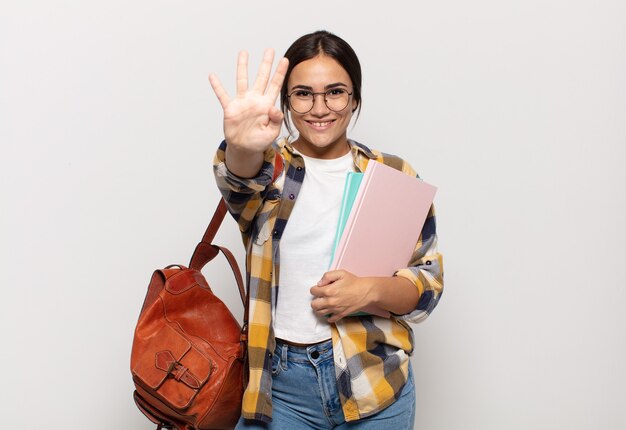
column 314, row 353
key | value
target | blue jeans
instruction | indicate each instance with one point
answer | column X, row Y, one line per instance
column 305, row 396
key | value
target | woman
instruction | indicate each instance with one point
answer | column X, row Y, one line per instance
column 312, row 365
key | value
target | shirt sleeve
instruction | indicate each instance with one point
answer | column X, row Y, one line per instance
column 425, row 269
column 243, row 196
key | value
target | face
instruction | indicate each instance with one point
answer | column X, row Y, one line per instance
column 322, row 132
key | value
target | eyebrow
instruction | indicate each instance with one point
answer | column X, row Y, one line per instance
column 327, row 87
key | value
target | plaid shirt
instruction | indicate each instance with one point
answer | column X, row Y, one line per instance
column 371, row 353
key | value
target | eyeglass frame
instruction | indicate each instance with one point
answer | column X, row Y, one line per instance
column 313, row 94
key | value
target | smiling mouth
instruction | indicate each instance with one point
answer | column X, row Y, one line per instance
column 321, row 124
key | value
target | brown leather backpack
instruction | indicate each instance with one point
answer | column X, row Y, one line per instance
column 187, row 359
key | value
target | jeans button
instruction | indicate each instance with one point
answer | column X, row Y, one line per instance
column 315, row 355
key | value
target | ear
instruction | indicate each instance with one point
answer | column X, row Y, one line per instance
column 354, row 105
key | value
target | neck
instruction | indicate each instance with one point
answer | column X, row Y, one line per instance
column 334, row 150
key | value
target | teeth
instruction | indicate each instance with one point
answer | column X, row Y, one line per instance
column 321, row 124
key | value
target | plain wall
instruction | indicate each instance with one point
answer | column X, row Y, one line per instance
column 516, row 110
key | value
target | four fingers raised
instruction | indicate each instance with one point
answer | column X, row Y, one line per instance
column 263, row 77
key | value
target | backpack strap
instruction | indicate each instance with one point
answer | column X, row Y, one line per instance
column 205, row 250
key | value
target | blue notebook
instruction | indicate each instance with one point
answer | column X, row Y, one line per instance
column 350, row 190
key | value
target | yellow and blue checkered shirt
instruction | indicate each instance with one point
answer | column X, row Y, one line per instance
column 371, row 353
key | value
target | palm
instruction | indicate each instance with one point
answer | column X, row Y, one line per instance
column 247, row 121
column 251, row 119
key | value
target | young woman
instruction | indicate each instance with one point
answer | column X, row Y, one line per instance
column 311, row 364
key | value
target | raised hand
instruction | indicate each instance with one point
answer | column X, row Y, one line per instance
column 251, row 119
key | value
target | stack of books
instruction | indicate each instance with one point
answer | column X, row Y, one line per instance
column 381, row 218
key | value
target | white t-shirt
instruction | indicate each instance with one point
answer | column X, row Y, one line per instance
column 306, row 247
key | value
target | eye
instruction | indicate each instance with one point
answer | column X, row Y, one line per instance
column 336, row 92
column 301, row 94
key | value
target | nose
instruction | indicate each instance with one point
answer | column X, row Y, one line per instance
column 319, row 105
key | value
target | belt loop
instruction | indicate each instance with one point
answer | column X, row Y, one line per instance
column 283, row 356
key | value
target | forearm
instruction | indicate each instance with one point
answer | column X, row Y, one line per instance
column 243, row 162
column 243, row 196
column 395, row 294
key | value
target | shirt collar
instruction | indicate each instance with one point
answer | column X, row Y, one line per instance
column 356, row 148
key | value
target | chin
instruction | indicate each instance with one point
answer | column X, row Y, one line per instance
column 319, row 140
column 319, row 146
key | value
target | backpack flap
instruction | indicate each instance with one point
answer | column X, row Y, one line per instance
column 181, row 281
column 172, row 367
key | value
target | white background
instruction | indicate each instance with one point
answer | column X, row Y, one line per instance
column 515, row 109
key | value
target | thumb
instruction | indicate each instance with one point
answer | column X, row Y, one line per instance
column 275, row 115
column 330, row 277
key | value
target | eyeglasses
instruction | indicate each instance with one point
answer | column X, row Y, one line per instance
column 302, row 101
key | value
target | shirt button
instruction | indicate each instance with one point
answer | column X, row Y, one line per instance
column 292, row 196
column 315, row 355
column 428, row 262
